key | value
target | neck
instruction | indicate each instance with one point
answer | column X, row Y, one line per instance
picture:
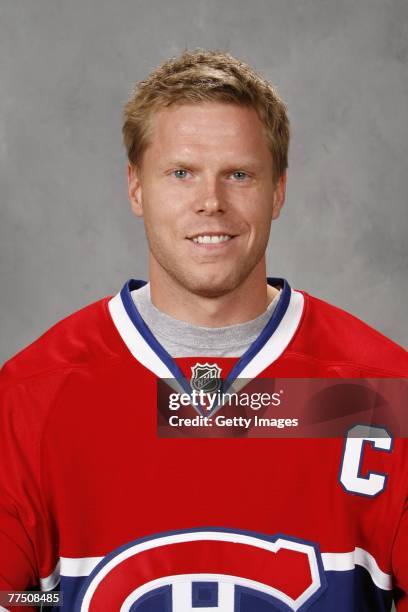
column 247, row 301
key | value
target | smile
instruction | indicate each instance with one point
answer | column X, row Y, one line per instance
column 205, row 239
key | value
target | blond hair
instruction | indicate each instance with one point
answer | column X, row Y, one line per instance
column 206, row 76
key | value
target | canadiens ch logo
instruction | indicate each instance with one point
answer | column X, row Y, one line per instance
column 206, row 569
column 206, row 377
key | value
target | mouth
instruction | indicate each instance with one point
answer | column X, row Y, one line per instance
column 211, row 238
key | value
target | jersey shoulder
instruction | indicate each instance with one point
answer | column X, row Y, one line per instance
column 329, row 333
column 85, row 337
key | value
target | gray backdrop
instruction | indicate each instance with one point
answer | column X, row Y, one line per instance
column 66, row 68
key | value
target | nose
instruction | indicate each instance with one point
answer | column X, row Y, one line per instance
column 210, row 200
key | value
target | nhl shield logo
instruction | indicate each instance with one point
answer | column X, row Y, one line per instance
column 206, row 377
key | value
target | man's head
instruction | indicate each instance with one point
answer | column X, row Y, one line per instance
column 207, row 142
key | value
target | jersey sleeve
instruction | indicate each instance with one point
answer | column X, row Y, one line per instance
column 17, row 562
column 400, row 563
column 26, row 547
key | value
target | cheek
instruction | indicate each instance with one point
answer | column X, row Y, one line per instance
column 260, row 218
column 154, row 207
column 161, row 221
column 156, row 223
column 165, row 204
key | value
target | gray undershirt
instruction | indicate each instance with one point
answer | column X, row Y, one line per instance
column 181, row 339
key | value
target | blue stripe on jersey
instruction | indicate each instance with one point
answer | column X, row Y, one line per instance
column 347, row 591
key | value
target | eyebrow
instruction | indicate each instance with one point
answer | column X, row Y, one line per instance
column 177, row 163
column 234, row 165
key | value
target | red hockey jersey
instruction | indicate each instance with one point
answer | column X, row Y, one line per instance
column 93, row 499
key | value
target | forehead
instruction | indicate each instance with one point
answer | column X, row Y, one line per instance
column 209, row 127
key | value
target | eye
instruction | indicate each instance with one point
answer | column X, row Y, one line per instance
column 180, row 173
column 240, row 175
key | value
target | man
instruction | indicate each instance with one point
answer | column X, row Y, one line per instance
column 100, row 495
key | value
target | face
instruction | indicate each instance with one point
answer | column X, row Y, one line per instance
column 206, row 192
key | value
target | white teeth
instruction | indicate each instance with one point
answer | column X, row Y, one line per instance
column 211, row 239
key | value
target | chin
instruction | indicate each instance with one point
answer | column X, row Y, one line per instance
column 210, row 291
column 212, row 287
column 207, row 281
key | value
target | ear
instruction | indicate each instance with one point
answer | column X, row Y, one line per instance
column 279, row 196
column 135, row 189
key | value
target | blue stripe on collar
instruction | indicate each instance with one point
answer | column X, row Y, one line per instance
column 146, row 332
column 267, row 331
column 168, row 360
